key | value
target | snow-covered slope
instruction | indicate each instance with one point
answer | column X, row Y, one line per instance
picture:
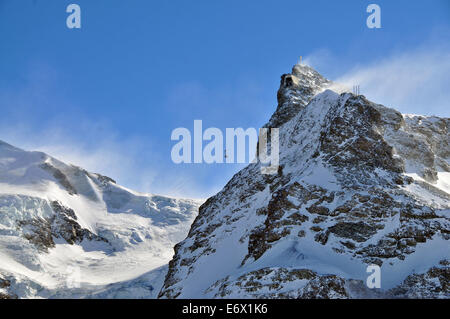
column 358, row 184
column 65, row 232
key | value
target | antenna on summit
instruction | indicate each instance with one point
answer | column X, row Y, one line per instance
column 300, row 60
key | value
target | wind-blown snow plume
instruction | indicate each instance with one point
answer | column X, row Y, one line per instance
column 414, row 82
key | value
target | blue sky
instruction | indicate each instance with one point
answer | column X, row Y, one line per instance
column 107, row 96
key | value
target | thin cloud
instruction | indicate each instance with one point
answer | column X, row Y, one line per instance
column 106, row 154
column 413, row 82
column 133, row 162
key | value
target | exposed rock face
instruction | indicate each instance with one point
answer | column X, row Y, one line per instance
column 305, row 284
column 435, row 283
column 60, row 177
column 359, row 184
column 5, row 284
column 296, row 90
column 61, row 224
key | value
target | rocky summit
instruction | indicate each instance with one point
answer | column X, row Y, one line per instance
column 359, row 184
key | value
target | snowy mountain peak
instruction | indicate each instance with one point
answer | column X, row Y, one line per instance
column 306, row 72
column 296, row 91
column 359, row 184
column 55, row 217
